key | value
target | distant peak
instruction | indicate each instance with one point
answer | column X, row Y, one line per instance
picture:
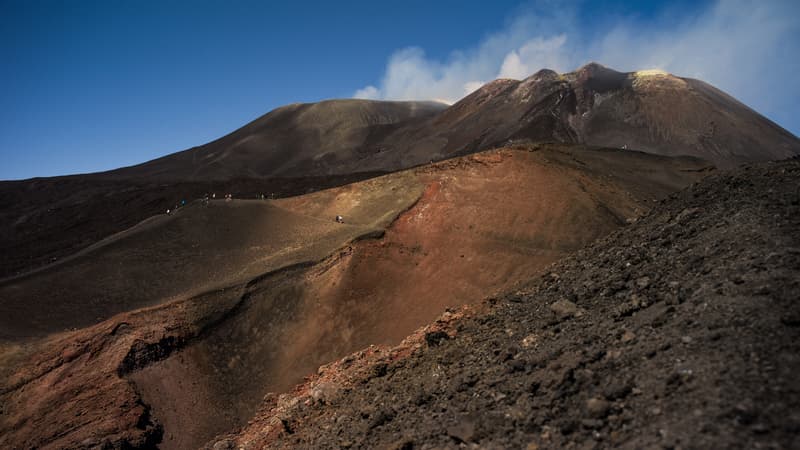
column 495, row 85
column 500, row 81
column 656, row 78
column 591, row 66
column 544, row 74
column 650, row 73
column 593, row 69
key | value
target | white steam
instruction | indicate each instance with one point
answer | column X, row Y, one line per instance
column 747, row 48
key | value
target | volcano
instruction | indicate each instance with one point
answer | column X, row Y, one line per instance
column 247, row 314
column 302, row 147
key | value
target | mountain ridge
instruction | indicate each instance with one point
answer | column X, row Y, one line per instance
column 647, row 110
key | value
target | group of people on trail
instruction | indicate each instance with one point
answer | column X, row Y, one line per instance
column 208, row 197
column 180, row 204
column 204, row 200
column 228, row 198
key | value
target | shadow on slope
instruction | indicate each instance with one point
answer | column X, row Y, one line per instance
column 192, row 271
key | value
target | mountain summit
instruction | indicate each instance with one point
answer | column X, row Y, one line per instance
column 650, row 111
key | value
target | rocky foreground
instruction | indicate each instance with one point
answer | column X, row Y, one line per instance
column 679, row 331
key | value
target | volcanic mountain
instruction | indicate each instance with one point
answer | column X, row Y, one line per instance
column 302, row 147
column 649, row 110
column 124, row 327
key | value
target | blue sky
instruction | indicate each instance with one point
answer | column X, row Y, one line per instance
column 88, row 86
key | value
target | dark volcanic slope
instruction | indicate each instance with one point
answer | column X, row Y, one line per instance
column 682, row 329
column 196, row 249
column 300, row 139
column 46, row 219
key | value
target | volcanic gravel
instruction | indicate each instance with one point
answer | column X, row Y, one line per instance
column 681, row 330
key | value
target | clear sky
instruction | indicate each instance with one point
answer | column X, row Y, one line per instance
column 88, row 86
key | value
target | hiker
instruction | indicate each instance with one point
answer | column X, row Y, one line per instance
column 339, row 219
column 169, row 211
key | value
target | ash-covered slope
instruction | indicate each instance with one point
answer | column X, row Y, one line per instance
column 300, row 139
column 660, row 113
column 682, row 329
